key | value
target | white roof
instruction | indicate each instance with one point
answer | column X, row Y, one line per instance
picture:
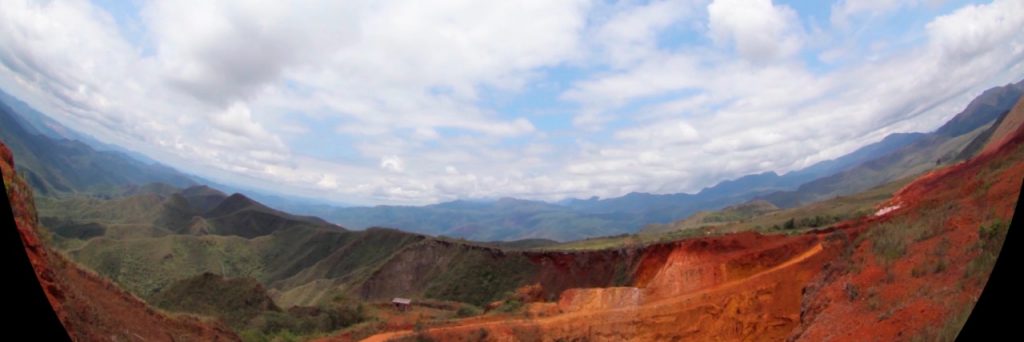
column 401, row 300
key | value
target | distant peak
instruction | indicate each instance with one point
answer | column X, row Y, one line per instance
column 201, row 190
column 233, row 203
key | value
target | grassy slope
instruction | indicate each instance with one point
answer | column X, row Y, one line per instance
column 914, row 274
column 842, row 207
column 235, row 300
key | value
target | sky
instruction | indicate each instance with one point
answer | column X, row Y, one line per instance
column 417, row 102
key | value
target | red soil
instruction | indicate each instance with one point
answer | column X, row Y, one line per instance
column 747, row 286
column 907, row 305
column 702, row 289
column 90, row 307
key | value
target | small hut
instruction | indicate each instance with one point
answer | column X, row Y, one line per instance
column 401, row 304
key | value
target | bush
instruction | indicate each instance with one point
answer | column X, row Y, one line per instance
column 511, row 305
column 990, row 239
column 468, row 311
column 888, row 243
column 852, row 292
column 300, row 321
column 948, row 330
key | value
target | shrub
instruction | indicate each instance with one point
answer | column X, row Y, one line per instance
column 990, row 238
column 511, row 305
column 851, row 291
column 468, row 311
column 888, row 243
column 948, row 330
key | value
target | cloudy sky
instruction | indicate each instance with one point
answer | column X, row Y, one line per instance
column 414, row 102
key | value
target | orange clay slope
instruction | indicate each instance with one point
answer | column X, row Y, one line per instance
column 929, row 288
column 90, row 307
column 832, row 284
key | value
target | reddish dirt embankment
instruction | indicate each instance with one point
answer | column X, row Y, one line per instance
column 910, row 271
column 740, row 286
column 929, row 288
column 90, row 307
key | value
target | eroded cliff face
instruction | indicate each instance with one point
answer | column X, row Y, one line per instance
column 740, row 286
column 446, row 270
column 90, row 307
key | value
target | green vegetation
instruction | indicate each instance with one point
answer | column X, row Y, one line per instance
column 935, row 263
column 990, row 241
column 58, row 166
column 304, row 322
column 946, row 331
column 817, row 221
column 243, row 304
column 891, row 238
column 889, row 241
column 235, row 300
column 144, row 266
column 510, row 306
column 468, row 310
column 478, row 278
column 812, row 216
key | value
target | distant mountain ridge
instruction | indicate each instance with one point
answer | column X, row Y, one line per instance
column 53, row 166
column 49, row 162
column 748, row 186
column 572, row 219
column 956, row 140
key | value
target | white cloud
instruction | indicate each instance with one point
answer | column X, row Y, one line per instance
column 392, row 163
column 630, row 34
column 758, row 29
column 223, row 88
column 662, row 132
column 780, row 116
column 977, row 29
column 328, row 182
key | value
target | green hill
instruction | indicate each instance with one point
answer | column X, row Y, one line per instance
column 235, row 300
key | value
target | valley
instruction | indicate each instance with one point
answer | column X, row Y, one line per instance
column 904, row 252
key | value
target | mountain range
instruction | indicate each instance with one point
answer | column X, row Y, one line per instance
column 269, row 274
column 55, row 165
column 896, row 156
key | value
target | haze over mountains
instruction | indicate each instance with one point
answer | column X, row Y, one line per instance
column 53, row 164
